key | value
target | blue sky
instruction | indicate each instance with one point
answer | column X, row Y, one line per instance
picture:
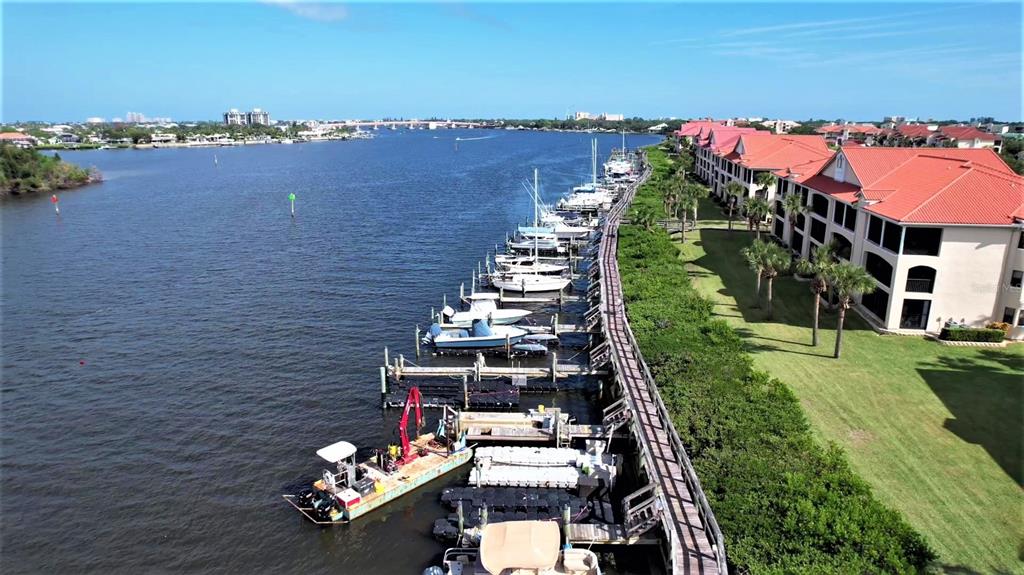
column 64, row 62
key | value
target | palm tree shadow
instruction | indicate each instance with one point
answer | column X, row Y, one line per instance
column 749, row 334
column 987, row 404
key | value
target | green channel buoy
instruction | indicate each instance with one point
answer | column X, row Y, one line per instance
column 291, row 198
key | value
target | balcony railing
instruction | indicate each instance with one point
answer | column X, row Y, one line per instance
column 920, row 285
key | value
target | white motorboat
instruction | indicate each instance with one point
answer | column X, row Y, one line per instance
column 485, row 309
column 529, row 265
column 480, row 336
column 527, row 283
column 523, row 548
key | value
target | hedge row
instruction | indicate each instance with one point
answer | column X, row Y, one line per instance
column 972, row 334
column 785, row 503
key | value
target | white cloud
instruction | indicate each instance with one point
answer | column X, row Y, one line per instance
column 319, row 11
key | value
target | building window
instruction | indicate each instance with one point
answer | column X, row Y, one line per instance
column 784, row 187
column 800, row 221
column 1008, row 313
column 1020, row 320
column 922, row 241
column 819, row 205
column 779, row 211
column 1015, row 278
column 845, row 216
column 891, row 237
column 797, row 240
column 1020, row 241
column 921, row 279
column 915, row 313
column 877, row 302
column 818, row 230
column 778, row 228
column 878, row 268
column 843, row 246
column 875, row 230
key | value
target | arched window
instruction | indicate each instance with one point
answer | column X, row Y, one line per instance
column 921, row 279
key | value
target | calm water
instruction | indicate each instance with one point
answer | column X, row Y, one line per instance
column 176, row 347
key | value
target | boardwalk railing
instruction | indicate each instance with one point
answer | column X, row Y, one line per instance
column 621, row 356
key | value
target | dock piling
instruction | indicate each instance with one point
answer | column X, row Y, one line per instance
column 383, row 381
column 462, row 291
column 554, row 367
column 417, row 341
column 465, row 392
column 386, row 360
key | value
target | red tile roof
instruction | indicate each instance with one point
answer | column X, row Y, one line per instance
column 692, row 129
column 930, row 185
column 915, row 131
column 722, row 139
column 852, row 128
column 15, row 136
column 967, row 133
column 767, row 151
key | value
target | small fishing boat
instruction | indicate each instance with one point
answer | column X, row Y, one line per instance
column 480, row 336
column 486, row 310
column 530, row 282
column 530, row 265
column 522, row 548
column 356, row 489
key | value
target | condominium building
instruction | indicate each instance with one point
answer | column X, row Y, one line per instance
column 742, row 154
column 257, row 117
column 235, row 118
column 939, row 229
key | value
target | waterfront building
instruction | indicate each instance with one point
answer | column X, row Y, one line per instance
column 743, row 154
column 940, row 230
column 583, row 116
column 780, row 126
column 257, row 117
column 235, row 118
column 17, row 139
column 162, row 138
column 612, row 117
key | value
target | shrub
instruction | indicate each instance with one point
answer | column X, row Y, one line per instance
column 785, row 503
column 972, row 334
column 1000, row 325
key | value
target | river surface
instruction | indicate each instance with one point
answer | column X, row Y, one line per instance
column 176, row 346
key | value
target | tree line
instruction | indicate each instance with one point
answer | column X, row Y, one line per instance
column 26, row 171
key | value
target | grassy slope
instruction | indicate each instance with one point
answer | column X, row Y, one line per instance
column 935, row 430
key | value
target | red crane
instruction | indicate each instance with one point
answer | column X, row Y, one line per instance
column 412, row 399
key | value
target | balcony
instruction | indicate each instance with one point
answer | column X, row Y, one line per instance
column 920, row 285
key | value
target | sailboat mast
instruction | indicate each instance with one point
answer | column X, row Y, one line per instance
column 536, row 255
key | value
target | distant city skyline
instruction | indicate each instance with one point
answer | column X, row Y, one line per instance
column 328, row 61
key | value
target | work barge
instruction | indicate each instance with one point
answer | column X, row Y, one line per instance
column 669, row 509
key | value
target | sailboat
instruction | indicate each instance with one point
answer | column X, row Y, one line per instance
column 533, row 282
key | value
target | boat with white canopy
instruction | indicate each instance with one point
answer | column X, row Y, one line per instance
column 485, row 309
column 479, row 336
column 521, row 548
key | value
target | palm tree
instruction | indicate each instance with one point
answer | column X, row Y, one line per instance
column 755, row 256
column 848, row 280
column 686, row 203
column 764, row 181
column 698, row 193
column 645, row 216
column 672, row 195
column 793, row 203
column 757, row 209
column 820, row 266
column 733, row 192
column 774, row 260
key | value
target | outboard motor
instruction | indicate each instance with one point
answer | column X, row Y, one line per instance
column 323, row 505
column 434, row 331
column 304, row 498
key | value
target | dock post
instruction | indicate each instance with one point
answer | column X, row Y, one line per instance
column 444, row 300
column 524, row 287
column 508, row 346
column 465, row 392
column 383, row 383
column 433, row 315
column 477, row 366
column 501, row 296
column 483, row 511
column 478, row 269
column 554, row 367
column 398, row 370
column 417, row 341
column 386, row 360
column 474, row 282
column 560, row 292
column 566, row 516
column 462, row 520
column 554, row 324
column 462, row 291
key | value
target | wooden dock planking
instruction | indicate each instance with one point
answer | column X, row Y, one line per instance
column 694, row 552
column 605, row 534
column 563, row 370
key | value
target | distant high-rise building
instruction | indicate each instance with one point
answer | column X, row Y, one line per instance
column 252, row 118
column 612, row 117
column 235, row 118
column 258, row 116
column 94, row 120
column 583, row 116
column 135, row 117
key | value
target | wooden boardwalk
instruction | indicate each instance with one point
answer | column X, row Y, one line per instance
column 696, row 542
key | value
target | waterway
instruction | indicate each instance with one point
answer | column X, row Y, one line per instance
column 175, row 346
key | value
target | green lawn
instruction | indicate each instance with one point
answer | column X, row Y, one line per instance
column 937, row 431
